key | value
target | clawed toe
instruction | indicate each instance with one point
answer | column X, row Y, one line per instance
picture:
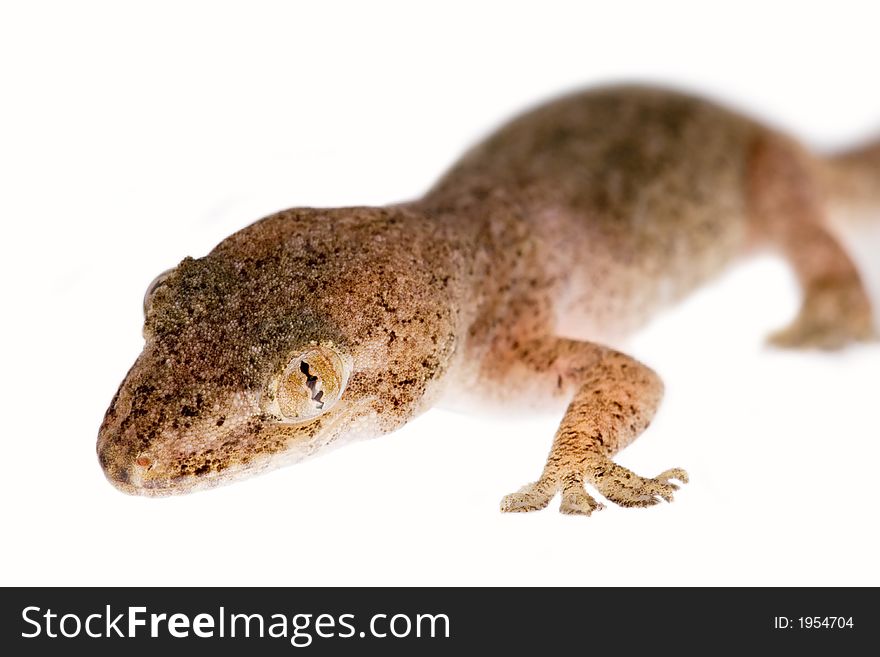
column 578, row 503
column 673, row 473
column 527, row 498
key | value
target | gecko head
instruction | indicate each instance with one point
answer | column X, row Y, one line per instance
column 217, row 392
column 260, row 354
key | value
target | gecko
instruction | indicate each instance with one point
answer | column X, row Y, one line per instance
column 504, row 286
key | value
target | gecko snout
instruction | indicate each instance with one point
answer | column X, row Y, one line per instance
column 117, row 467
column 127, row 471
column 120, row 456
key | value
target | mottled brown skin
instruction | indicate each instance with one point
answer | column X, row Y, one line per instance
column 190, row 413
column 559, row 235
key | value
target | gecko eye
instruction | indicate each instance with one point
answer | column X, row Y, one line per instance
column 309, row 385
column 152, row 287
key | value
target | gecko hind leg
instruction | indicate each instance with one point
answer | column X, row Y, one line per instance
column 615, row 398
column 832, row 316
column 788, row 210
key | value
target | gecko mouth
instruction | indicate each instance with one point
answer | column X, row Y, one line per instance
column 251, row 447
column 163, row 469
column 141, row 476
column 141, row 483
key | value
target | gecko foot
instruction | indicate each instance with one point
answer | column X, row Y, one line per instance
column 626, row 488
column 614, row 482
column 832, row 317
column 802, row 335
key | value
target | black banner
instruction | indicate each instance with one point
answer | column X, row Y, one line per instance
column 409, row 621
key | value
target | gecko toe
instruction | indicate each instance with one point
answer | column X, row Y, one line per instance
column 528, row 498
column 673, row 473
column 579, row 503
column 626, row 488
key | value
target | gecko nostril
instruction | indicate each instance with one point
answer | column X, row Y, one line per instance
column 123, row 475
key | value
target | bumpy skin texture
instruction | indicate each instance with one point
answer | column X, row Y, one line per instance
column 560, row 234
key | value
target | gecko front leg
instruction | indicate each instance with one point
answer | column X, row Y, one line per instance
column 615, row 398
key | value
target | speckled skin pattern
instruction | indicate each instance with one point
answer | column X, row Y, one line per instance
column 560, row 234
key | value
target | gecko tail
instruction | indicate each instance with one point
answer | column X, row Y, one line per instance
column 853, row 184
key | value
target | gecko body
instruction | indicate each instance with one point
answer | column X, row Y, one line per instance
column 562, row 233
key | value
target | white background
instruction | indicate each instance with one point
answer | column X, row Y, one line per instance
column 132, row 135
